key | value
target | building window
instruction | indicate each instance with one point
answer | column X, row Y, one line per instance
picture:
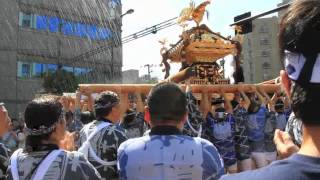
column 52, row 68
column 266, row 60
column 265, row 53
column 112, row 8
column 264, row 29
column 67, row 28
column 116, row 2
column 250, row 54
column 265, row 70
column 266, row 65
column 265, row 73
column 27, row 20
column 264, row 41
column 30, row 70
column 92, row 32
column 41, row 23
column 80, row 30
column 54, row 24
column 25, row 70
column 81, row 71
column 38, row 70
column 250, row 65
column 104, row 33
column 68, row 68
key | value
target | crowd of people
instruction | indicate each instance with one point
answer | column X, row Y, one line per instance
column 252, row 135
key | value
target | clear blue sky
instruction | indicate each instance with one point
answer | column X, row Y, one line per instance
column 150, row 12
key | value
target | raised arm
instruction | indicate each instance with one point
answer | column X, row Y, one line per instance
column 274, row 98
column 227, row 104
column 262, row 99
column 77, row 103
column 65, row 103
column 246, row 99
column 272, row 102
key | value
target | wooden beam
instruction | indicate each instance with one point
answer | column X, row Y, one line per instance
column 145, row 88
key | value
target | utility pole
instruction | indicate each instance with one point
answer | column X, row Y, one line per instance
column 149, row 66
column 149, row 70
column 116, row 45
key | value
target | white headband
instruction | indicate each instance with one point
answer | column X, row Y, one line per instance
column 294, row 63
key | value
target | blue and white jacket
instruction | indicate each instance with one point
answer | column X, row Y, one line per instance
column 167, row 154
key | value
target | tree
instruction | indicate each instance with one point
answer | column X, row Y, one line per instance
column 60, row 81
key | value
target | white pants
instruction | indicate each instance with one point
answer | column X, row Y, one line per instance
column 260, row 159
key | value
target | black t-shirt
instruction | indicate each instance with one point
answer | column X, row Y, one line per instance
column 297, row 167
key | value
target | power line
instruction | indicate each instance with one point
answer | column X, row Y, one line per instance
column 150, row 30
column 154, row 30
